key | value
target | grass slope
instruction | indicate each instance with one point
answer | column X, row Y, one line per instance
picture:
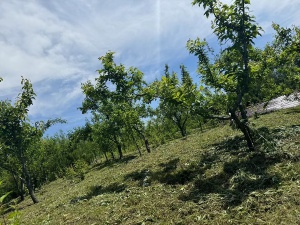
column 210, row 178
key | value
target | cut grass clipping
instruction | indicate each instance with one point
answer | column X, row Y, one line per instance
column 209, row 178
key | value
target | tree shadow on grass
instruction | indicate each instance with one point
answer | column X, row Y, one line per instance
column 96, row 190
column 239, row 172
column 111, row 163
column 172, row 172
column 169, row 174
column 242, row 173
column 237, row 180
column 139, row 176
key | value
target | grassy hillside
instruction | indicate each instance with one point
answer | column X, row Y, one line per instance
column 209, row 178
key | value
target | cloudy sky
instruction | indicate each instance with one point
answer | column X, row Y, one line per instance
column 56, row 43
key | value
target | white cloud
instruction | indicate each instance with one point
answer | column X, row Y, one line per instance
column 284, row 12
column 56, row 43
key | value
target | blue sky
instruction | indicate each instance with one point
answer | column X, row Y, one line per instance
column 56, row 44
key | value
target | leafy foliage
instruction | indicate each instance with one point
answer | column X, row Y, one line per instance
column 115, row 101
column 13, row 217
column 177, row 99
column 276, row 68
column 230, row 72
column 17, row 135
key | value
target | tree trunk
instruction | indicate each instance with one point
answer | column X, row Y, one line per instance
column 19, row 186
column 245, row 130
column 182, row 131
column 137, row 147
column 247, row 134
column 120, row 151
column 144, row 138
column 28, row 181
column 105, row 156
column 112, row 154
column 22, row 191
column 119, row 146
column 180, row 124
column 147, row 145
column 201, row 127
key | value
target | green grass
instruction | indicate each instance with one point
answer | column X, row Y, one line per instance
column 209, row 178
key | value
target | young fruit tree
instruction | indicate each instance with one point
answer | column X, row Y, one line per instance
column 115, row 101
column 229, row 72
column 176, row 99
column 280, row 62
column 17, row 135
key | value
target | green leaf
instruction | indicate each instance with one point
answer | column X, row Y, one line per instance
column 3, row 197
